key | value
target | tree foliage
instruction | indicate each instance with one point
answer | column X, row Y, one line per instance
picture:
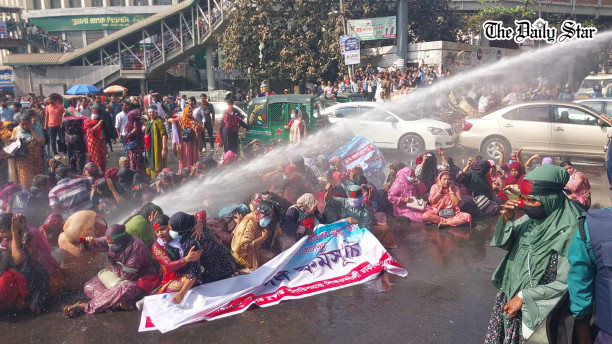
column 301, row 37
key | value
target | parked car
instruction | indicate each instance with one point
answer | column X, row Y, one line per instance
column 543, row 127
column 601, row 105
column 408, row 133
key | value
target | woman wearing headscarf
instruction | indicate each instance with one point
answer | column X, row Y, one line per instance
column 31, row 164
column 18, row 264
column 407, row 190
column 190, row 141
column 427, row 167
column 91, row 171
column 228, row 130
column 496, row 180
column 134, row 142
column 300, row 219
column 140, row 224
column 228, row 159
column 475, row 176
column 96, row 146
column 215, row 262
column 445, row 198
column 176, row 264
column 320, row 167
column 124, row 282
column 516, row 174
column 578, row 186
column 104, row 196
column 532, row 277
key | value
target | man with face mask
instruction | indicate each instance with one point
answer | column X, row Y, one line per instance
column 532, row 277
column 352, row 208
column 251, row 234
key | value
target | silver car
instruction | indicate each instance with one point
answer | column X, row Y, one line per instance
column 542, row 127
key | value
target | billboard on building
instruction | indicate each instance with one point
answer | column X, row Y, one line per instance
column 6, row 80
column 94, row 22
column 373, row 28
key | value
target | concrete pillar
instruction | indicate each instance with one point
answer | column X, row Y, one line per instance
column 65, row 3
column 401, row 29
column 143, row 86
column 210, row 62
column 87, row 3
column 45, row 4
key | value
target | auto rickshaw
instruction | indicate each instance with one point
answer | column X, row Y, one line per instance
column 267, row 116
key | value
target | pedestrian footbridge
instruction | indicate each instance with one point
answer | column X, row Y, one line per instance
column 145, row 50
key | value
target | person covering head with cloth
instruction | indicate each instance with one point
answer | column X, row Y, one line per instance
column 532, row 278
column 129, row 277
column 156, row 143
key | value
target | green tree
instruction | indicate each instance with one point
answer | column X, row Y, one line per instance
column 301, row 37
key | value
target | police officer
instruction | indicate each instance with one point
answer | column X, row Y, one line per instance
column 597, row 92
column 567, row 95
column 590, row 276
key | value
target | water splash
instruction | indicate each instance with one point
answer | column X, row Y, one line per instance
column 237, row 182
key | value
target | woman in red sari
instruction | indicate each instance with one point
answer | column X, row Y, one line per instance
column 172, row 258
column 96, row 146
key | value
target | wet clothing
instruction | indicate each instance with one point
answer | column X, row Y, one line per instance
column 402, row 188
column 537, row 242
column 580, row 189
column 505, row 330
column 140, row 228
column 339, row 208
column 129, row 265
column 445, row 202
column 32, row 203
column 71, row 195
column 39, row 293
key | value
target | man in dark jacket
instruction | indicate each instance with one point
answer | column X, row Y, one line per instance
column 33, row 203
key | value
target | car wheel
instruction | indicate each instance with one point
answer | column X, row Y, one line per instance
column 490, row 148
column 411, row 144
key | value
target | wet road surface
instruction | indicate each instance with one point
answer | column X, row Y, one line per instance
column 447, row 297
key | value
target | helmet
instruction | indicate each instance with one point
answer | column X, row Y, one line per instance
column 265, row 207
column 597, row 88
column 567, row 86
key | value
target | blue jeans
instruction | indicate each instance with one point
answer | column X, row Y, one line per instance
column 53, row 131
column 609, row 162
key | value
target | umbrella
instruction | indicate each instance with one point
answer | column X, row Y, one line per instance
column 115, row 89
column 82, row 89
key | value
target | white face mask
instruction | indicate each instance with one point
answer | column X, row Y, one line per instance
column 411, row 179
column 95, row 116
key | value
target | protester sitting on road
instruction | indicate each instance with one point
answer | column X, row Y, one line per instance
column 33, row 202
column 475, row 177
column 516, row 174
column 445, row 198
column 130, row 275
column 104, row 196
column 532, row 276
column 24, row 283
column 300, row 220
column 406, row 194
column 70, row 194
column 250, row 236
column 514, row 156
column 496, row 180
column 223, row 226
column 426, row 169
column 578, row 189
column 352, row 208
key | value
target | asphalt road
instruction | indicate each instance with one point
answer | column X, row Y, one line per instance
column 447, row 297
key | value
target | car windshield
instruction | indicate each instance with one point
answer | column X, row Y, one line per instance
column 589, row 83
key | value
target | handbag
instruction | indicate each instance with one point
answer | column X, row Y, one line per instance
column 16, row 149
column 416, row 204
column 482, row 202
column 447, row 213
column 109, row 278
column 187, row 135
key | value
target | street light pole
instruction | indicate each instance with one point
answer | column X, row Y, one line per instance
column 350, row 69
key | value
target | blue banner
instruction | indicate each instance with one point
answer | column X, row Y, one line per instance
column 6, row 80
column 361, row 152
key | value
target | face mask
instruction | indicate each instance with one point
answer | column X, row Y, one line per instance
column 356, row 202
column 114, row 248
column 265, row 222
column 511, row 161
column 174, row 235
column 95, row 116
column 535, row 213
column 411, row 179
column 292, row 116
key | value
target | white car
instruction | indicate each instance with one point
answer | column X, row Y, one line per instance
column 539, row 127
column 388, row 129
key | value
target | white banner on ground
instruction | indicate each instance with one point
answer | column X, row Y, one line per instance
column 338, row 256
